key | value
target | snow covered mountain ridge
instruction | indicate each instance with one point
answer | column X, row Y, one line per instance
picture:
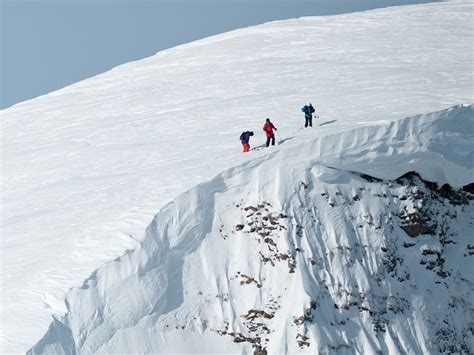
column 299, row 251
column 85, row 169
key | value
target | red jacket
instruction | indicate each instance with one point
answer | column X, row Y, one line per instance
column 268, row 128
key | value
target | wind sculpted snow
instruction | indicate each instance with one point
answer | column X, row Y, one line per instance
column 285, row 254
column 85, row 169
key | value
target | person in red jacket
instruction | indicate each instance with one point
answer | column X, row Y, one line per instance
column 268, row 127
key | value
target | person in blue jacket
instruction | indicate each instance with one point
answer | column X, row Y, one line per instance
column 308, row 114
column 245, row 139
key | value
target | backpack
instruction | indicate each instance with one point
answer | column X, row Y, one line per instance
column 242, row 136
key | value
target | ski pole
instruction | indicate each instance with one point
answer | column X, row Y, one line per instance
column 279, row 138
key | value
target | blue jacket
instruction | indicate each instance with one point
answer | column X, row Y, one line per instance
column 308, row 110
column 245, row 137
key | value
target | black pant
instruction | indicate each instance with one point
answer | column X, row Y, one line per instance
column 272, row 138
column 308, row 120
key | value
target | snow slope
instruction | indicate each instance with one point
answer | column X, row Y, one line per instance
column 85, row 169
column 287, row 254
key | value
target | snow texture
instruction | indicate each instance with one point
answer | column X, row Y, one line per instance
column 86, row 168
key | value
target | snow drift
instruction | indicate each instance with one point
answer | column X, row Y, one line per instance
column 299, row 251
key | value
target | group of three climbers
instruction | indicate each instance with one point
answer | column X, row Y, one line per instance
column 268, row 127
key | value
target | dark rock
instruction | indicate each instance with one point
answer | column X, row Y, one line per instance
column 469, row 188
column 370, row 178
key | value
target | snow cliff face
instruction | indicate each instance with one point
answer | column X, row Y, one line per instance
column 286, row 254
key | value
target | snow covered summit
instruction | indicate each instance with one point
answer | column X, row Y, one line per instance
column 86, row 168
column 286, row 254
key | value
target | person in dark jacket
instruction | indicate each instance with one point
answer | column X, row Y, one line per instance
column 268, row 127
column 245, row 139
column 308, row 114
